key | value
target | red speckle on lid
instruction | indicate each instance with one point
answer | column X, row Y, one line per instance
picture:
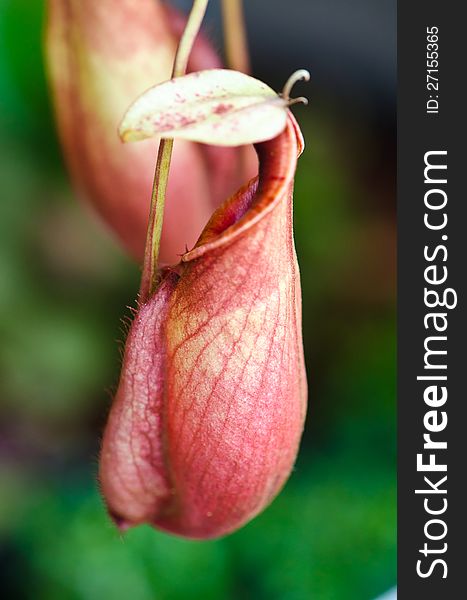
column 222, row 108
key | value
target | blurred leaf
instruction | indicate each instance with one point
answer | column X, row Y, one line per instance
column 25, row 105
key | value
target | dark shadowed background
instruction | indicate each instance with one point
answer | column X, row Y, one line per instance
column 64, row 286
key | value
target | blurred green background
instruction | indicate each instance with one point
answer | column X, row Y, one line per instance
column 64, row 288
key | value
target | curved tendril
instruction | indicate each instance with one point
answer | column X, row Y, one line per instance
column 300, row 75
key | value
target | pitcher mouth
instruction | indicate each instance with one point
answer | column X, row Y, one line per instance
column 246, row 208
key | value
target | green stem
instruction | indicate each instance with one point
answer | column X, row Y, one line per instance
column 149, row 279
column 156, row 218
column 236, row 44
column 189, row 36
column 237, row 57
